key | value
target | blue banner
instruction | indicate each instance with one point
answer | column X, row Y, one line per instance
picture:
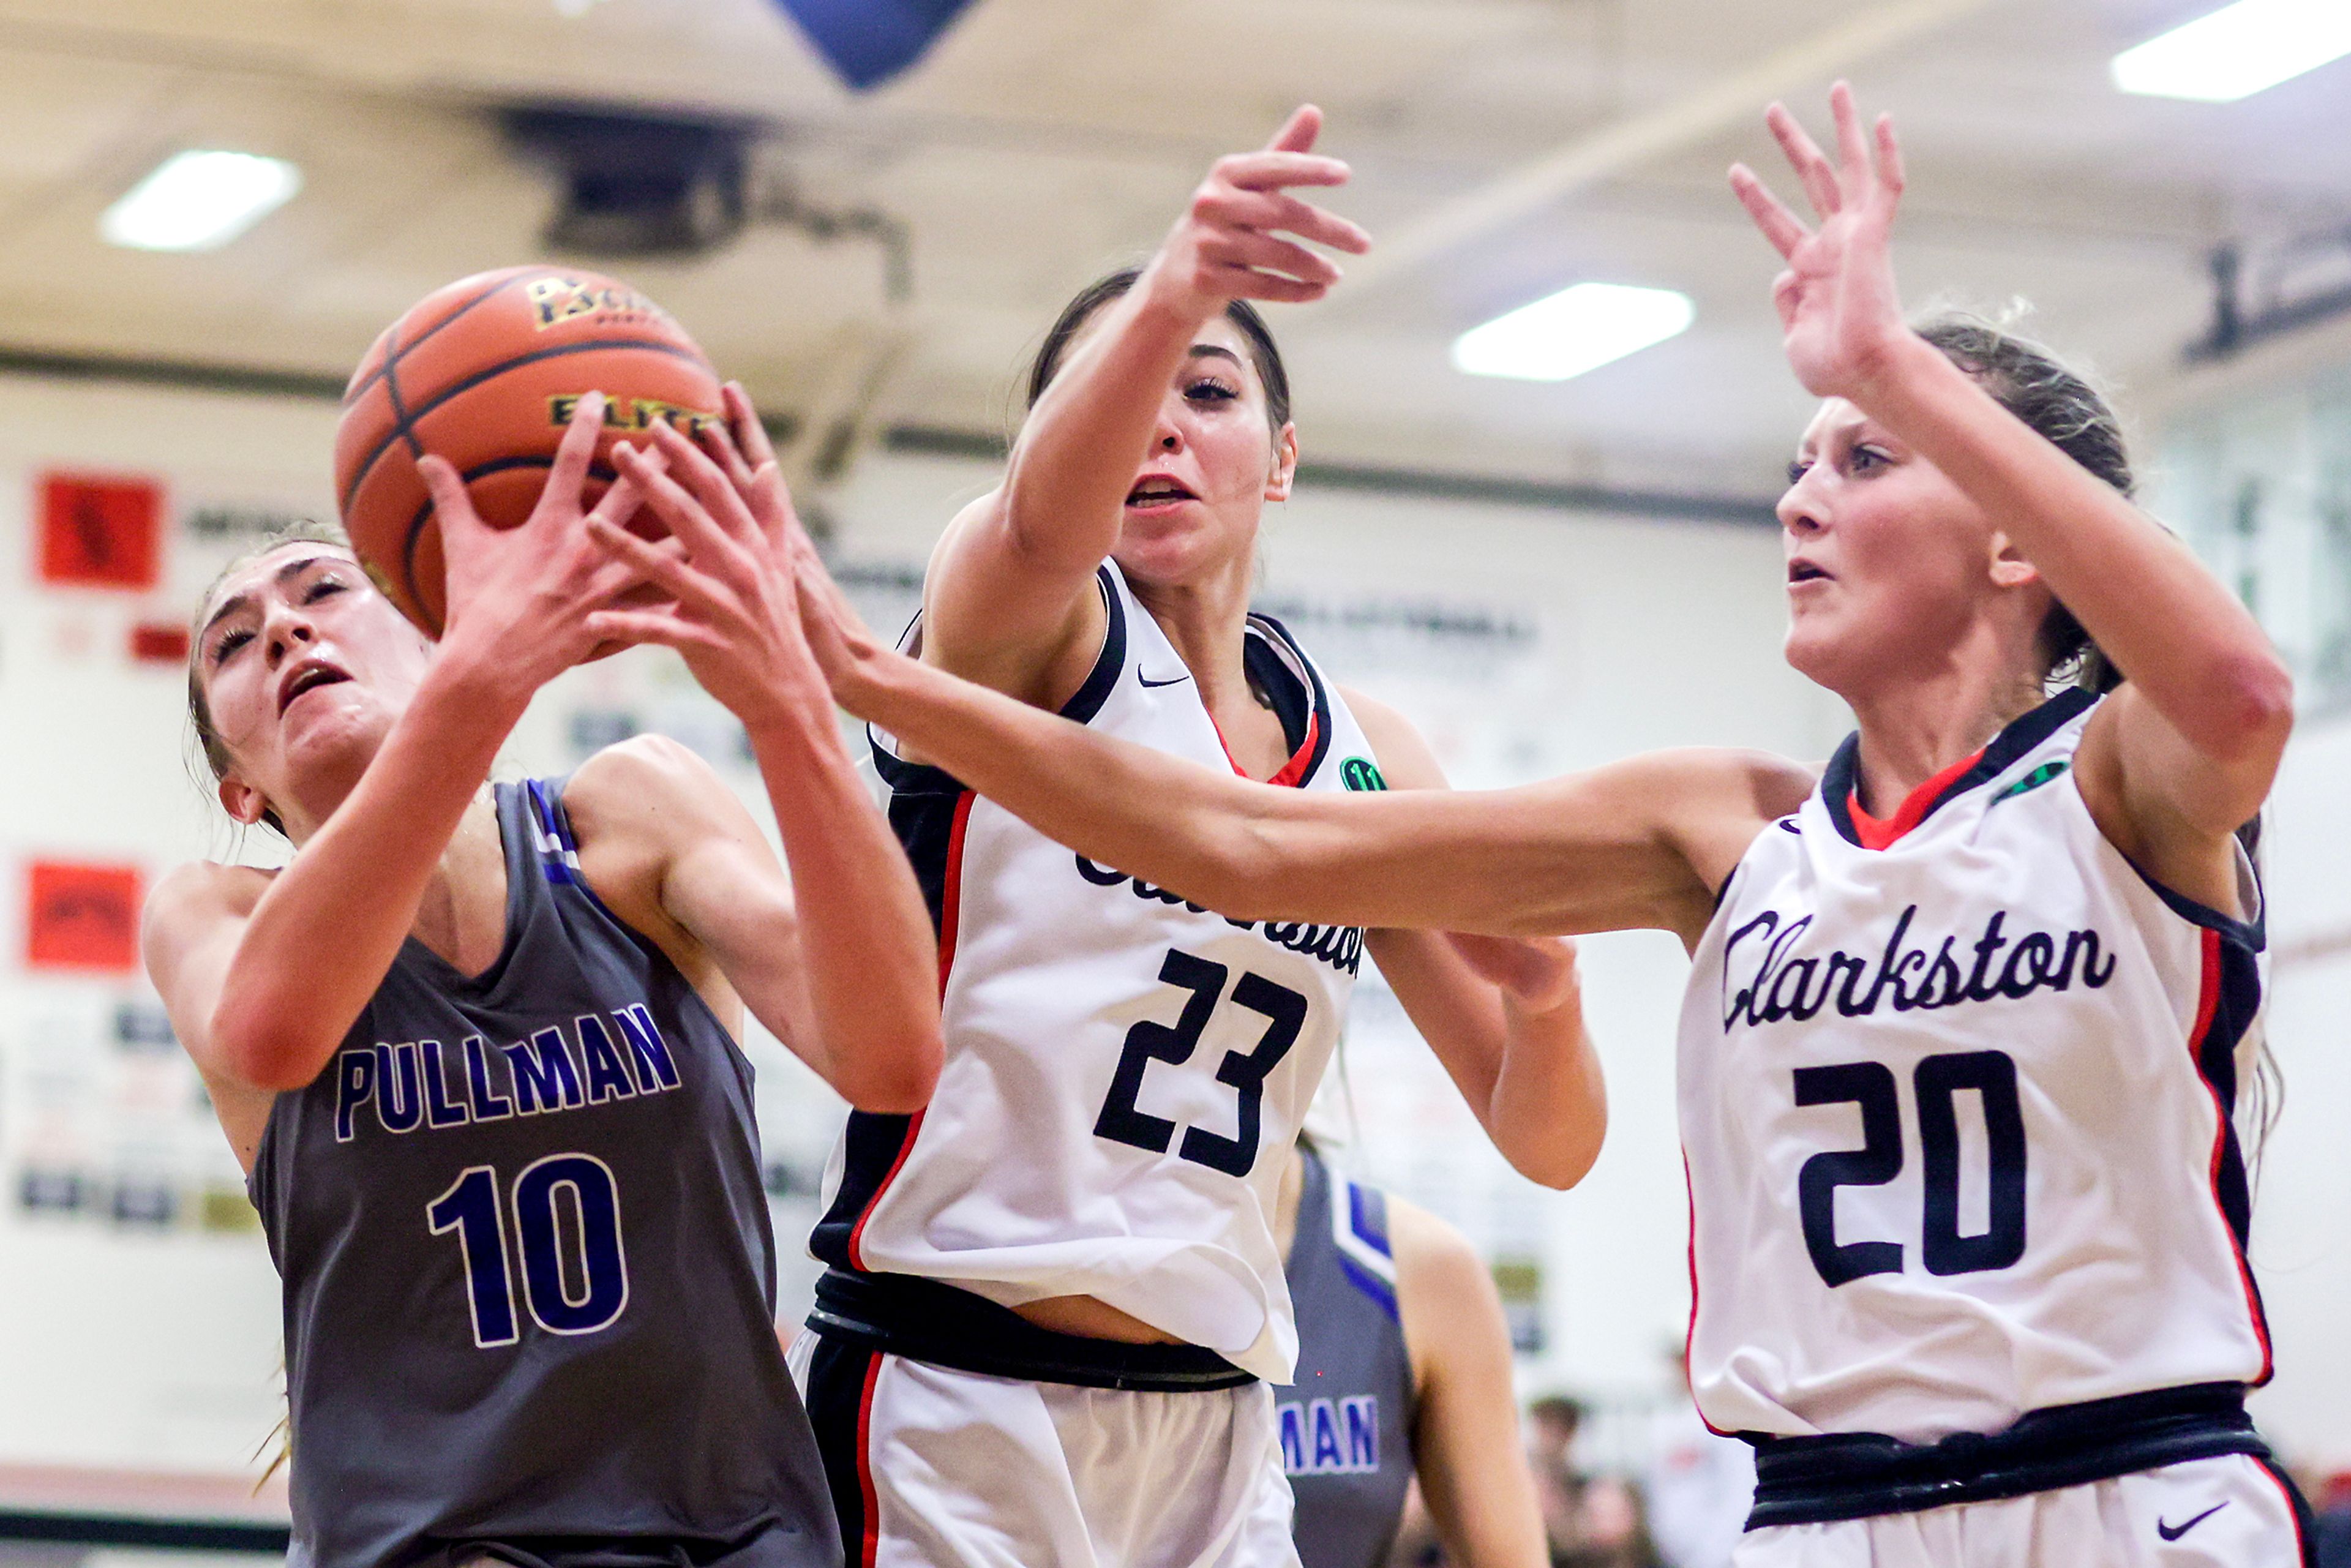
column 867, row 42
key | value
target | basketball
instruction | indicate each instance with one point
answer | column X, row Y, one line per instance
column 486, row 373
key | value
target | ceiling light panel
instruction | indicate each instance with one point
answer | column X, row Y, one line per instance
column 1577, row 330
column 2237, row 51
column 200, row 201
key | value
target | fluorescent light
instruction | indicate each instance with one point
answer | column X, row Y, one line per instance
column 1575, row 330
column 197, row 201
column 2237, row 51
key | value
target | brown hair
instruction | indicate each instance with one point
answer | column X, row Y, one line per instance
column 2029, row 382
column 1263, row 352
column 199, row 713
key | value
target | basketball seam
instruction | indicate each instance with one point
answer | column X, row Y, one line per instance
column 367, row 467
column 393, row 355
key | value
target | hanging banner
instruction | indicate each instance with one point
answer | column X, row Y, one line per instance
column 101, row 530
column 867, row 42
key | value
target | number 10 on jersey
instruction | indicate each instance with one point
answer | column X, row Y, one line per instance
column 570, row 1295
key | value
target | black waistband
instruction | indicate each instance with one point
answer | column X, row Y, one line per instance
column 928, row 1320
column 1858, row 1474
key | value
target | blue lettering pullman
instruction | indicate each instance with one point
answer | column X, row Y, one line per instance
column 422, row 1083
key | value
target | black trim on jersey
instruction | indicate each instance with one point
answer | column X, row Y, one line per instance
column 930, row 1320
column 1844, row 775
column 1294, row 700
column 1862, row 1475
column 2216, row 1060
column 2305, row 1528
column 2254, row 933
column 921, row 777
column 835, row 1401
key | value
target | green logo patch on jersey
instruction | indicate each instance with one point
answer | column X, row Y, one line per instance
column 1361, row 773
column 2032, row 780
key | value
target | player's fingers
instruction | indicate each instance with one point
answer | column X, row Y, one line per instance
column 709, row 483
column 750, row 436
column 1272, row 170
column 1244, row 283
column 450, row 503
column 717, row 438
column 665, row 629
column 1890, row 177
column 621, row 500
column 1854, row 174
column 1804, row 157
column 707, row 543
column 1264, row 253
column 777, row 518
column 663, row 569
column 578, row 450
column 1781, row 227
column 1297, row 132
column 1271, row 211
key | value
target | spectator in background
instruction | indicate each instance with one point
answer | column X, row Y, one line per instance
column 2331, row 1543
column 1590, row 1521
column 1698, row 1486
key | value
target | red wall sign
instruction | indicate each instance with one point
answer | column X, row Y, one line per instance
column 101, row 530
column 82, row 916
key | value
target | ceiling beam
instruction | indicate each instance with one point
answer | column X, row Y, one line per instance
column 1627, row 143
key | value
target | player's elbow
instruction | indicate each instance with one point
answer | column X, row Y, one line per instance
column 899, row 1082
column 2254, row 714
column 266, row 1055
column 1561, row 1157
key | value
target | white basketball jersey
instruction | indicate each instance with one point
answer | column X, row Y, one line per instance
column 1125, row 1072
column 1956, row 1113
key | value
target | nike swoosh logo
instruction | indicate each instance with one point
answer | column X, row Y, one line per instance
column 2174, row 1531
column 1147, row 681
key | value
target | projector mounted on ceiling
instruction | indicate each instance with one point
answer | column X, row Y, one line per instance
column 637, row 184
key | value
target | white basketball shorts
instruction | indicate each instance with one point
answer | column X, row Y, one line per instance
column 2232, row 1512
column 933, row 1468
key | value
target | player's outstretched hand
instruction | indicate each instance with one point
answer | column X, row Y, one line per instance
column 1536, row 973
column 523, row 597
column 734, row 610
column 1840, row 314
column 1231, row 242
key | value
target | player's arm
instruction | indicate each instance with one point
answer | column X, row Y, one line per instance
column 1472, row 1468
column 867, row 952
column 1008, row 601
column 668, row 845
column 319, row 940
column 1641, row 843
column 189, row 935
column 2186, row 752
column 1505, row 1016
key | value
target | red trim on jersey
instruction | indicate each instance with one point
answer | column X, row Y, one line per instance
column 872, row 1545
column 2295, row 1505
column 951, row 889
column 2208, row 1004
column 1292, row 771
column 1689, row 1336
column 950, row 916
column 1874, row 835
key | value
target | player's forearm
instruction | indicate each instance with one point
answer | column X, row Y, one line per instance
column 1418, row 858
column 1078, row 451
column 321, row 938
column 2185, row 642
column 867, row 949
column 1530, row 1078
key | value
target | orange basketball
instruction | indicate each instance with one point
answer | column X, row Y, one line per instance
column 486, row 373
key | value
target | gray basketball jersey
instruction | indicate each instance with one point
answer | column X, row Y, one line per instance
column 529, row 1281
column 1346, row 1422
